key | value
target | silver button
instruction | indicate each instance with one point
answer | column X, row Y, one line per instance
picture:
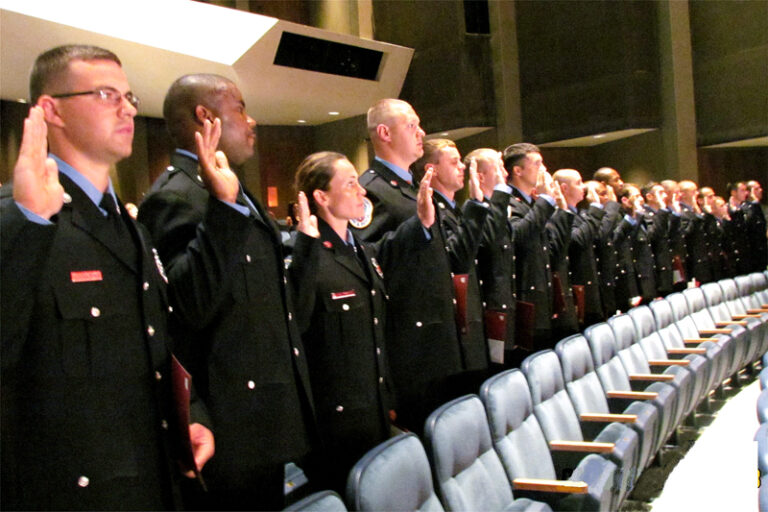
column 95, row 312
column 66, row 198
column 373, row 292
column 296, row 351
column 454, row 301
column 503, row 306
column 290, row 316
column 480, row 280
column 164, row 425
column 375, row 321
column 151, row 330
column 145, row 286
column 251, row 384
column 158, row 376
column 533, row 288
column 83, row 481
column 199, row 179
column 170, row 309
column 339, row 408
column 378, row 351
column 381, row 380
column 345, row 307
column 418, row 324
column 248, row 258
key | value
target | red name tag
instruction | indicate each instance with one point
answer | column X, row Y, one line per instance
column 343, row 295
column 86, row 276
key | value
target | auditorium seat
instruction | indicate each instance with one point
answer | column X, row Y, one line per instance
column 717, row 317
column 737, row 302
column 589, row 398
column 720, row 345
column 684, row 379
column 395, row 475
column 764, row 378
column 321, row 501
column 762, row 407
column 562, row 427
column 732, row 310
column 635, row 362
column 467, row 469
column 525, row 453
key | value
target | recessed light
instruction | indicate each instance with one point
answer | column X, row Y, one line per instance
column 444, row 134
column 22, row 100
column 598, row 136
column 333, row 113
column 301, row 121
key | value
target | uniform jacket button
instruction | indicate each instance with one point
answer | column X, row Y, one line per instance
column 251, row 384
column 418, row 324
column 339, row 408
column 83, row 481
column 164, row 424
column 145, row 286
column 150, row 330
column 345, row 307
column 158, row 376
column 95, row 312
column 375, row 321
column 373, row 292
column 248, row 258
column 295, row 351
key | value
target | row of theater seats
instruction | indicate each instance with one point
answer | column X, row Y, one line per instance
column 574, row 427
column 762, row 438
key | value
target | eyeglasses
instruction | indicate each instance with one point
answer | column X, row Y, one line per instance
column 108, row 95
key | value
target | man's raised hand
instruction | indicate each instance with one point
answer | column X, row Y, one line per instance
column 36, row 177
column 218, row 178
column 425, row 208
column 475, row 192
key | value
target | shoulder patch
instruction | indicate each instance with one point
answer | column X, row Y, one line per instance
column 364, row 221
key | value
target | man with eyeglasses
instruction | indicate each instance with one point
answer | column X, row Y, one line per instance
column 87, row 413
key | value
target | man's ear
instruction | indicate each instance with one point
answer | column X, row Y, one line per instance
column 382, row 131
column 50, row 110
column 202, row 113
column 516, row 170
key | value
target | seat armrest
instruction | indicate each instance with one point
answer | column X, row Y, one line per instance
column 632, row 395
column 730, row 322
column 678, row 351
column 756, row 311
column 764, row 306
column 696, row 341
column 608, row 417
column 742, row 317
column 651, row 377
column 715, row 331
column 581, row 446
column 668, row 362
column 546, row 485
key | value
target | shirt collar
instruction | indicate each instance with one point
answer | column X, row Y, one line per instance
column 401, row 173
column 82, row 182
column 189, row 154
column 452, row 203
column 525, row 196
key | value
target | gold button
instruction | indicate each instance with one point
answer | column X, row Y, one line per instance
column 158, row 376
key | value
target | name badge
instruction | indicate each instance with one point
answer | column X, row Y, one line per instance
column 86, row 276
column 343, row 295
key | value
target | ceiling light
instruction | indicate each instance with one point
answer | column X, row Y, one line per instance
column 333, row 113
column 22, row 100
column 444, row 134
column 301, row 121
column 598, row 136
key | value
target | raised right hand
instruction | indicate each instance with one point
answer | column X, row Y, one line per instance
column 218, row 178
column 36, row 177
column 425, row 208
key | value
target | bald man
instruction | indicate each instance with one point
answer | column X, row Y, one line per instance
column 240, row 333
column 582, row 258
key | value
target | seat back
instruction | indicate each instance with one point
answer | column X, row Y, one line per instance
column 515, row 431
column 610, row 370
column 678, row 304
column 631, row 353
column 581, row 380
column 320, row 501
column 467, row 470
column 551, row 404
column 642, row 317
column 395, row 475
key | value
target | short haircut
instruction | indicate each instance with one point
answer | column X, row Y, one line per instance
column 315, row 172
column 686, row 185
column 50, row 64
column 626, row 190
column 433, row 148
column 480, row 155
column 648, row 188
column 383, row 111
column 183, row 96
column 734, row 186
column 514, row 153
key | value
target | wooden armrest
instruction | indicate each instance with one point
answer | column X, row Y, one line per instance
column 730, row 322
column 581, row 446
column 546, row 485
column 608, row 417
column 632, row 395
column 764, row 306
column 757, row 311
column 742, row 317
column 652, row 377
column 687, row 351
column 668, row 362
column 696, row 341
column 715, row 331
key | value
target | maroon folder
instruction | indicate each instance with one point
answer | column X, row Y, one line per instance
column 181, row 389
column 579, row 301
column 460, row 282
column 525, row 323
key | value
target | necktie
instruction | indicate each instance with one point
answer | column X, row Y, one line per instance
column 113, row 214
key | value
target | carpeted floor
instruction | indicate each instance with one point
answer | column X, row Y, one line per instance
column 712, row 467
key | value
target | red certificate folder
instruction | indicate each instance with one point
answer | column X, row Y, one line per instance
column 525, row 323
column 181, row 387
column 496, row 330
column 579, row 300
column 460, row 282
